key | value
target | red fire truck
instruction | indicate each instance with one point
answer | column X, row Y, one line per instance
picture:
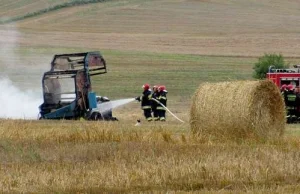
column 289, row 76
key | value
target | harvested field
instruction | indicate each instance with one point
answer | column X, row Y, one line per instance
column 178, row 43
column 93, row 157
column 186, row 27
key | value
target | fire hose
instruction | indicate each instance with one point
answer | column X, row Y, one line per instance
column 168, row 110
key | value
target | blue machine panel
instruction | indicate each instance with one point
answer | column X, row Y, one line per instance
column 64, row 112
column 92, row 100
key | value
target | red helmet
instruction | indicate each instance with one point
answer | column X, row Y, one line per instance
column 283, row 87
column 161, row 88
column 290, row 87
column 146, row 86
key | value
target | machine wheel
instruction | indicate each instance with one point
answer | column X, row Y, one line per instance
column 96, row 116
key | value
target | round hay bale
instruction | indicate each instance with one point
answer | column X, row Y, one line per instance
column 240, row 109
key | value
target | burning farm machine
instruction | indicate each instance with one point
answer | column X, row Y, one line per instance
column 67, row 88
column 288, row 80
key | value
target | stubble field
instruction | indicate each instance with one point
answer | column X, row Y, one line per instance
column 177, row 43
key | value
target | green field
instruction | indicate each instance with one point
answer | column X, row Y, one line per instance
column 179, row 43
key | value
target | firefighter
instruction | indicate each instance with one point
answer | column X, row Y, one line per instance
column 145, row 100
column 290, row 101
column 154, row 103
column 290, row 95
column 162, row 98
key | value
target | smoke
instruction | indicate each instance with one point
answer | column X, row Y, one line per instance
column 16, row 100
column 17, row 104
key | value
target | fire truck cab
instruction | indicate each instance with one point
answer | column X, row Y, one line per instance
column 289, row 76
column 285, row 76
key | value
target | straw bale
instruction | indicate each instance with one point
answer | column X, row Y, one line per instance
column 240, row 109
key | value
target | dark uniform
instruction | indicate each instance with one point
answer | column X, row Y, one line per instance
column 154, row 104
column 290, row 99
column 162, row 98
column 297, row 92
column 146, row 104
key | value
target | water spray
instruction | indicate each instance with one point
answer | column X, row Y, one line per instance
column 168, row 110
column 107, row 106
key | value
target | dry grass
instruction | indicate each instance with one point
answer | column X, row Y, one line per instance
column 81, row 132
column 93, row 157
column 240, row 109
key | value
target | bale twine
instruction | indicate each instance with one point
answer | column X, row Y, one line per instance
column 240, row 109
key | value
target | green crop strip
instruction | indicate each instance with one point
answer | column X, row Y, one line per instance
column 54, row 8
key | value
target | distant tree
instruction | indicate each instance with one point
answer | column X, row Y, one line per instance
column 262, row 66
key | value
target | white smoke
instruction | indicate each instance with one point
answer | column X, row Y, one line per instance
column 17, row 104
column 15, row 101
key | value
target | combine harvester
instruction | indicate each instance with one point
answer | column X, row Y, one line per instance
column 288, row 77
column 67, row 88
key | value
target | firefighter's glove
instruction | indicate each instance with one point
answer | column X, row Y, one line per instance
column 138, row 99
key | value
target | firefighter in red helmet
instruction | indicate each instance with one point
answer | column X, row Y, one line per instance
column 162, row 98
column 145, row 100
column 290, row 87
column 154, row 103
